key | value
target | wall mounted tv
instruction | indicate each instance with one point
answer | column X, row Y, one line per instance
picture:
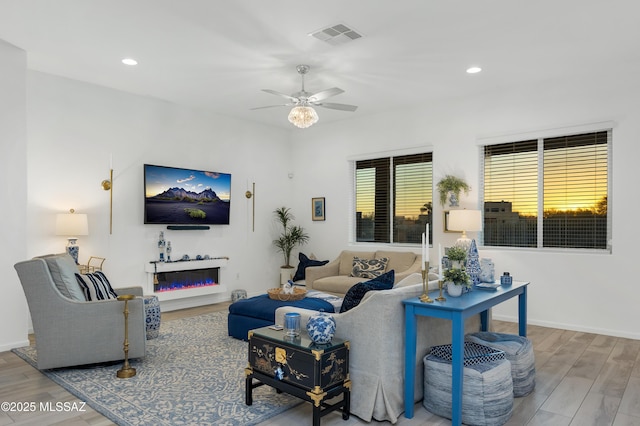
column 174, row 196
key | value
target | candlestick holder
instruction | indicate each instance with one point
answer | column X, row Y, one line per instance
column 441, row 298
column 126, row 371
column 424, row 298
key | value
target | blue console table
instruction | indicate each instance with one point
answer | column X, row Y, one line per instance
column 456, row 309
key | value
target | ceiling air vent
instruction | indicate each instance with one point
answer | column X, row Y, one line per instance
column 337, row 34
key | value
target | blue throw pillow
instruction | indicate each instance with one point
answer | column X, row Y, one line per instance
column 304, row 263
column 356, row 293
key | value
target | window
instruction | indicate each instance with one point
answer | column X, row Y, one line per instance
column 548, row 192
column 393, row 198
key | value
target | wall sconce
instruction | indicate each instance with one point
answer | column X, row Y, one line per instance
column 107, row 185
column 72, row 225
column 249, row 195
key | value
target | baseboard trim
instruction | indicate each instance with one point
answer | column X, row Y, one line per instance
column 18, row 344
column 571, row 327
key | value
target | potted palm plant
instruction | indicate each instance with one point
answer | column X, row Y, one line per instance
column 451, row 186
column 290, row 237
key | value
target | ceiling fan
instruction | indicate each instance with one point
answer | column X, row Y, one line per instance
column 302, row 114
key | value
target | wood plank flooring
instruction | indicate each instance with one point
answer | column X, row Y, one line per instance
column 582, row 379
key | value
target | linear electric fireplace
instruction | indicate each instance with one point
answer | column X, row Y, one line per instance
column 184, row 280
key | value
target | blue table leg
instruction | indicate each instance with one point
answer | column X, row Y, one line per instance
column 484, row 320
column 522, row 312
column 410, row 338
column 457, row 350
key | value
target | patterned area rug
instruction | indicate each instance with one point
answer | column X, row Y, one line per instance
column 193, row 374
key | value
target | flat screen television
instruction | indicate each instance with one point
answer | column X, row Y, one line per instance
column 175, row 196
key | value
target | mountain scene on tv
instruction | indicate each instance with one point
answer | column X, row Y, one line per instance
column 189, row 197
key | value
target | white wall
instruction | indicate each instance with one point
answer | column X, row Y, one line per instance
column 75, row 128
column 587, row 292
column 13, row 193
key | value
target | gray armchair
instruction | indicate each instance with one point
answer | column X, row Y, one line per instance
column 72, row 332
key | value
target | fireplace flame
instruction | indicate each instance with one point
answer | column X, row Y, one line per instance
column 185, row 280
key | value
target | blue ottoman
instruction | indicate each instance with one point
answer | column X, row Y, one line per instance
column 260, row 311
column 519, row 351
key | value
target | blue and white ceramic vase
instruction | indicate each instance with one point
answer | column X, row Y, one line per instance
column 161, row 246
column 152, row 316
column 321, row 327
column 473, row 263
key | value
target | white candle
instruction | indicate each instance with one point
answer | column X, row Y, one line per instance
column 423, row 250
column 426, row 258
column 440, row 259
column 110, row 161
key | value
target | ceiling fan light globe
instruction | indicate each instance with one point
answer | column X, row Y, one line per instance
column 303, row 116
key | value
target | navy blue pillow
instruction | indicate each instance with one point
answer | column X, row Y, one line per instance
column 356, row 293
column 304, row 262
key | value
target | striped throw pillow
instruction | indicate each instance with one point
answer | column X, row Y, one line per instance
column 96, row 286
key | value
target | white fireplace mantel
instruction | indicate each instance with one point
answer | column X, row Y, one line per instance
column 185, row 265
column 157, row 267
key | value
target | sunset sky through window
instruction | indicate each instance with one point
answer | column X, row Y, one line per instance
column 574, row 178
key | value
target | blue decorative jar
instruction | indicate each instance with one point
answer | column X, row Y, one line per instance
column 321, row 327
column 506, row 279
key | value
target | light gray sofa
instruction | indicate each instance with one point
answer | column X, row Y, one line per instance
column 69, row 331
column 335, row 278
column 375, row 329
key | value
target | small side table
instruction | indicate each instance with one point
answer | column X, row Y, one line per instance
column 299, row 367
column 152, row 316
column 456, row 309
column 94, row 264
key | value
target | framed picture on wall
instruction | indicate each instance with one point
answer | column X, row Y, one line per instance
column 446, row 222
column 317, row 208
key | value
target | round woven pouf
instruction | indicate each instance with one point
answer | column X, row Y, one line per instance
column 519, row 351
column 152, row 316
column 487, row 395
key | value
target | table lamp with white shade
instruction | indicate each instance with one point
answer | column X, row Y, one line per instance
column 465, row 221
column 72, row 225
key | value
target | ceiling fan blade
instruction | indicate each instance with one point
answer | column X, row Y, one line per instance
column 325, row 94
column 341, row 107
column 273, row 92
column 272, row 106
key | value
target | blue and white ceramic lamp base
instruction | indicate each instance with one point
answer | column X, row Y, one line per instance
column 73, row 249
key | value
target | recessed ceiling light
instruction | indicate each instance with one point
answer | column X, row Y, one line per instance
column 129, row 61
column 473, row 70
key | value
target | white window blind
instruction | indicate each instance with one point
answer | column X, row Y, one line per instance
column 548, row 192
column 575, row 191
column 372, row 200
column 511, row 194
column 413, row 186
column 393, row 198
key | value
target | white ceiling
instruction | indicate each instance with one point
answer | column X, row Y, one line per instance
column 218, row 55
